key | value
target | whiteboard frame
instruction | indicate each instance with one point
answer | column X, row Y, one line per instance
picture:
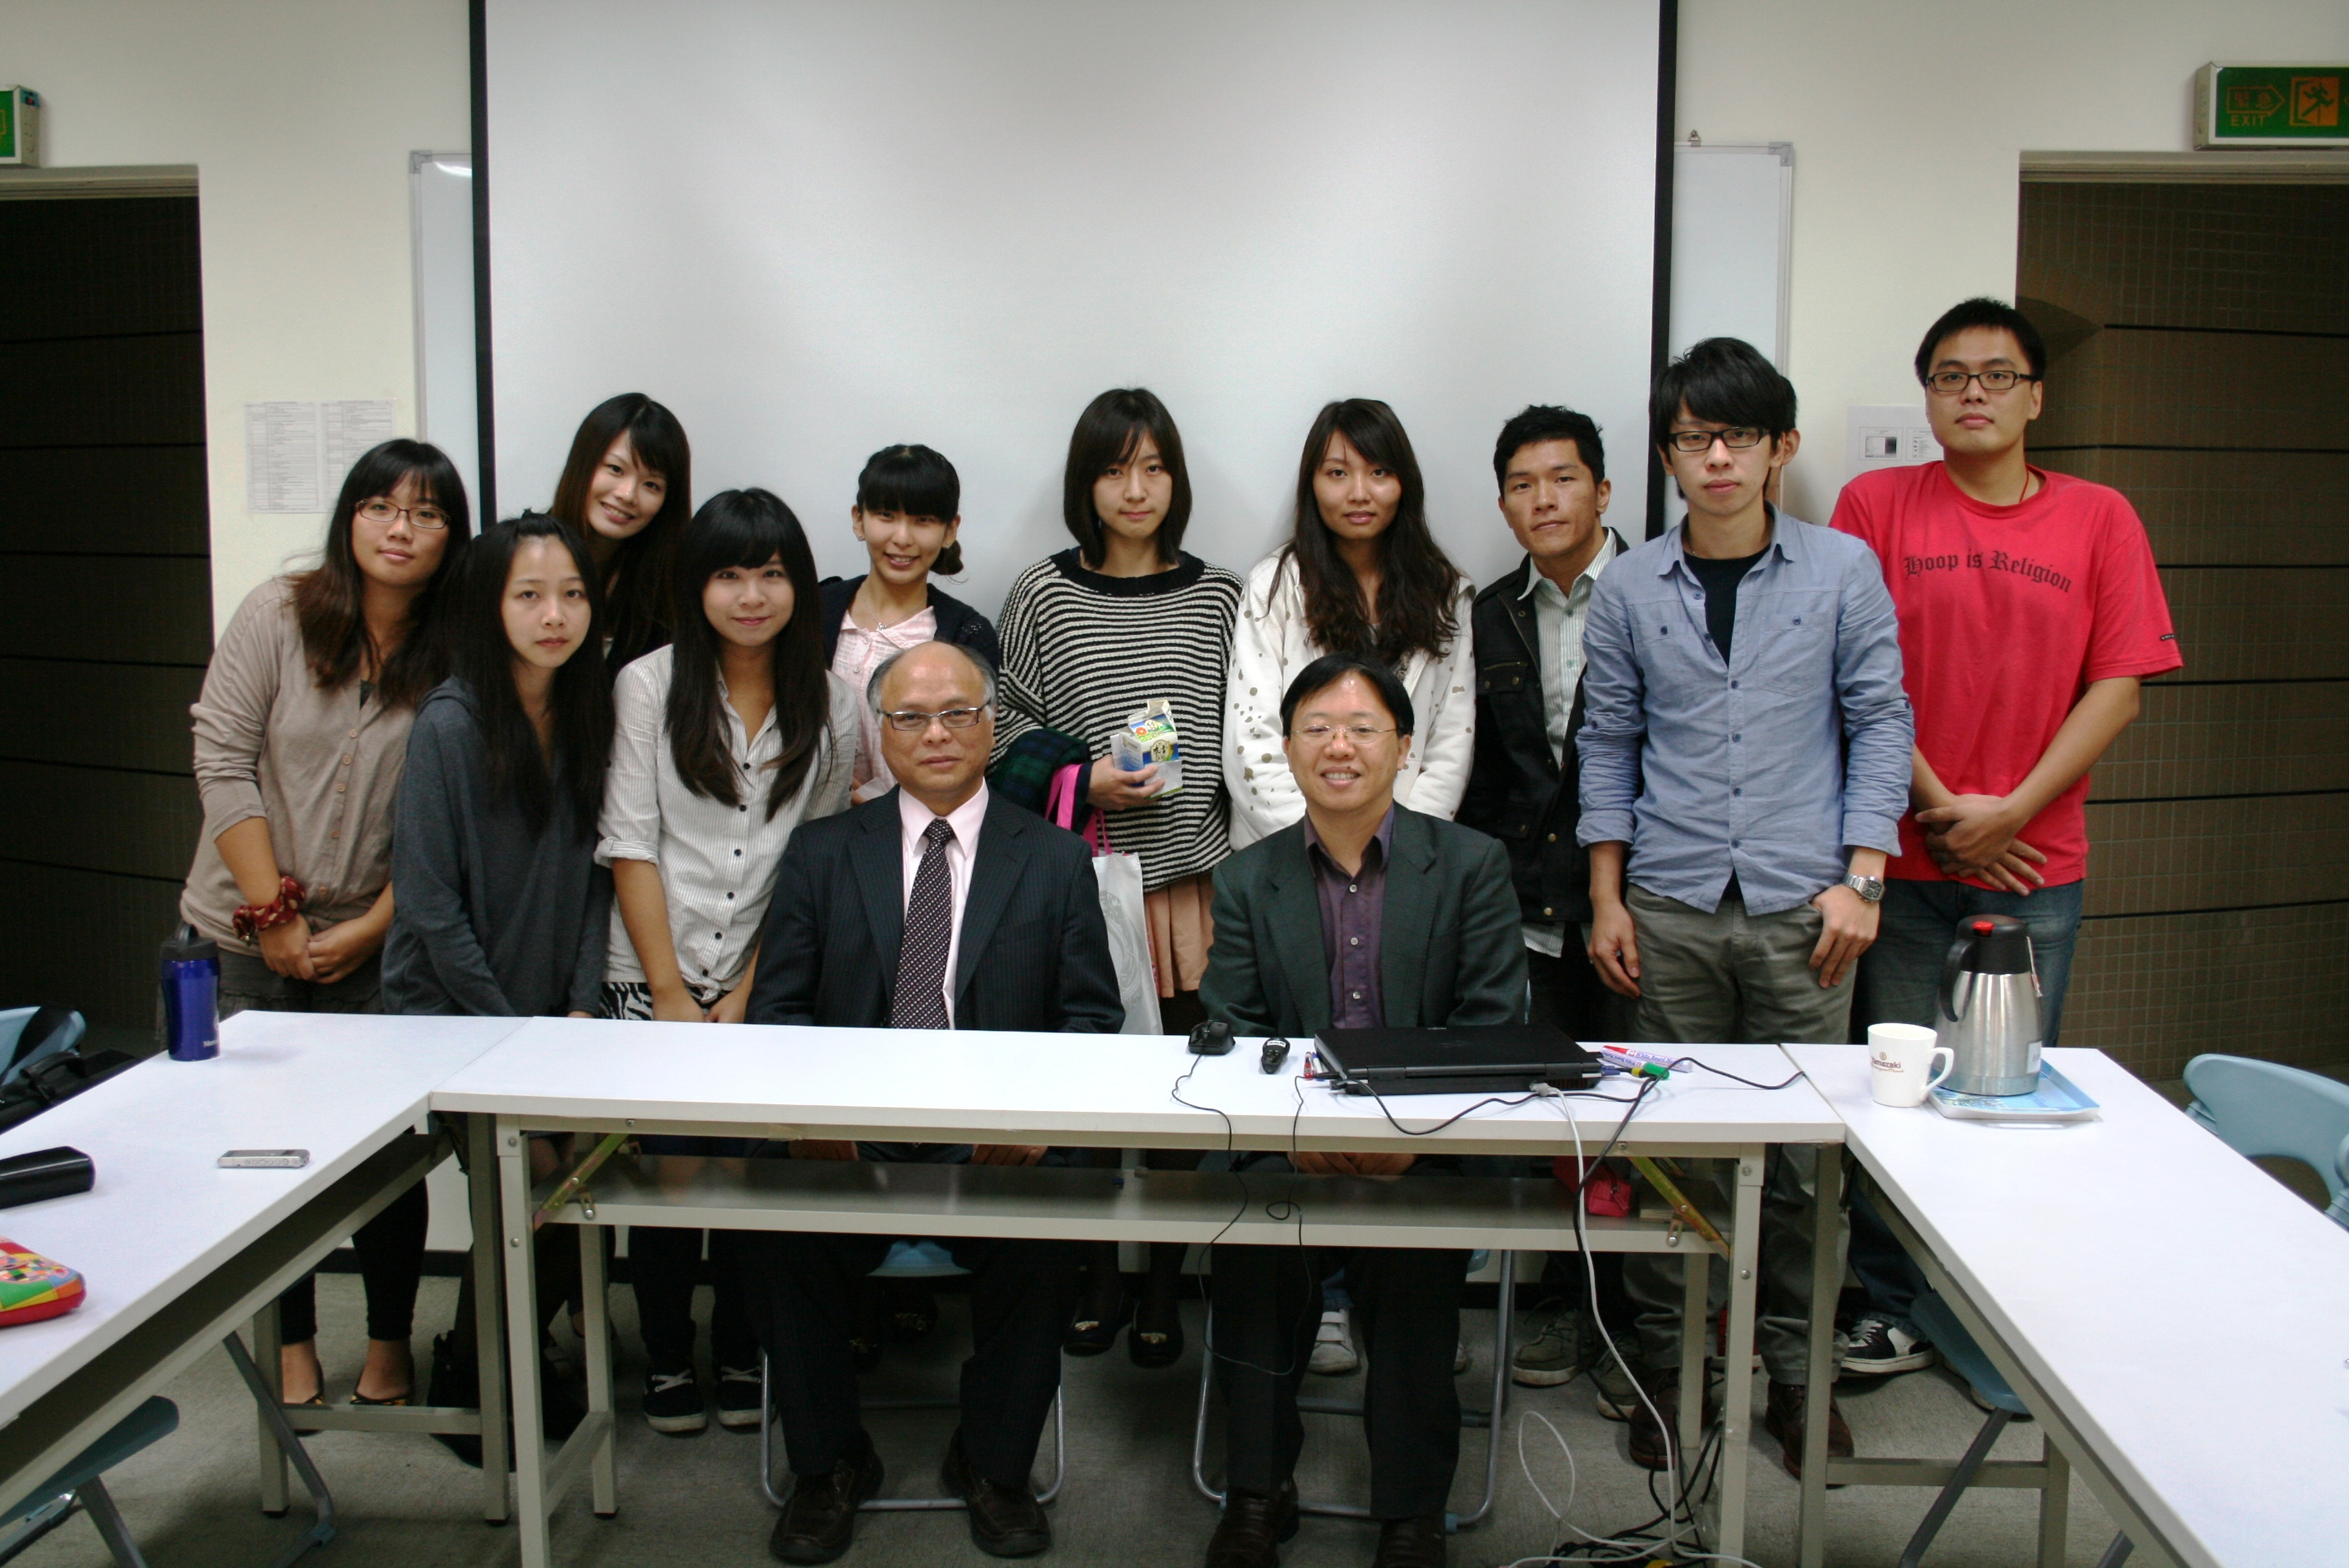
column 446, row 344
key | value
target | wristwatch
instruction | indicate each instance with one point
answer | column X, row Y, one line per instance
column 1869, row 888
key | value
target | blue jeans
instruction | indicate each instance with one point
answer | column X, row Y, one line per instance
column 1899, row 981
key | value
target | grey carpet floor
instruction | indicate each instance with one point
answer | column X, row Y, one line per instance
column 404, row 1503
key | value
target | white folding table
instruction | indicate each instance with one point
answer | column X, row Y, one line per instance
column 604, row 1076
column 177, row 1252
column 2178, row 1320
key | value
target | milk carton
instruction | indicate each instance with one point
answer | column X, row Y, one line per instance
column 20, row 127
column 1150, row 737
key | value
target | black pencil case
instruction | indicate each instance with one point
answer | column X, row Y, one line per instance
column 45, row 1173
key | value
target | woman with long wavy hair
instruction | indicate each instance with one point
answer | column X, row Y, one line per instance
column 1360, row 575
column 301, row 735
column 626, row 490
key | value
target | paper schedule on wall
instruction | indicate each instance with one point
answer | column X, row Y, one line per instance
column 297, row 453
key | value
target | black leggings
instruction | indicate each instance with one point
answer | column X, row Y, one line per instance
column 391, row 1262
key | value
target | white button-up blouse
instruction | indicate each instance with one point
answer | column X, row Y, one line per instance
column 718, row 863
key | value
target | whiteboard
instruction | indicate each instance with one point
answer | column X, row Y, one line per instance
column 819, row 228
column 440, row 214
column 1732, row 250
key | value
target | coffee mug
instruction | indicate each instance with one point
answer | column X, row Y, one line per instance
column 1900, row 1063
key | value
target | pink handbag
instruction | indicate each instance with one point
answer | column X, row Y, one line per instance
column 1061, row 807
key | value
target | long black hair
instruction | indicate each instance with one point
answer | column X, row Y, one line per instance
column 581, row 698
column 1417, row 581
column 1108, row 433
column 329, row 599
column 745, row 528
column 639, row 574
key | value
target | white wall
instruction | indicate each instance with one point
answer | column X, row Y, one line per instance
column 299, row 115
column 1909, row 119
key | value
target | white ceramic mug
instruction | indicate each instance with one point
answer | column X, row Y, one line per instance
column 1900, row 1065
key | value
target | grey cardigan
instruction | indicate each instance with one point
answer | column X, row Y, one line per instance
column 489, row 919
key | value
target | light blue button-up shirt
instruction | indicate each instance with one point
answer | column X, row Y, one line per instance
column 1768, row 766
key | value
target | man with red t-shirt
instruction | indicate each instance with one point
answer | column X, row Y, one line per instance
column 2030, row 610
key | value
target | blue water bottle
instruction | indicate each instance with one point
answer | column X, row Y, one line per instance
column 190, row 978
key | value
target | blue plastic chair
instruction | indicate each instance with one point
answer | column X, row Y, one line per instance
column 79, row 1484
column 11, row 1029
column 2264, row 1110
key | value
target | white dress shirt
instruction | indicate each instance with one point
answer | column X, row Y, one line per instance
column 1558, row 617
column 913, row 819
column 717, row 862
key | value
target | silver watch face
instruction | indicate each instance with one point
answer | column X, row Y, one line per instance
column 1869, row 888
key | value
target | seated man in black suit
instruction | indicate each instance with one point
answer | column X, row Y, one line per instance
column 932, row 907
column 1366, row 914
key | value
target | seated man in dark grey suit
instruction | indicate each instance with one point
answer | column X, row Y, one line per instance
column 1366, row 914
column 934, row 907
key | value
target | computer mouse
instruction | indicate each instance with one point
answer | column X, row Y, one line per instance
column 1212, row 1039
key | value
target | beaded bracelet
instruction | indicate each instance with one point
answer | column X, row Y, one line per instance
column 251, row 919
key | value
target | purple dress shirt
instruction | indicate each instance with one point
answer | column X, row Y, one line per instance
column 1353, row 913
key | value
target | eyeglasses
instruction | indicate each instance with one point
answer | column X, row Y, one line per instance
column 1737, row 439
column 1950, row 383
column 908, row 722
column 380, row 512
column 1323, row 734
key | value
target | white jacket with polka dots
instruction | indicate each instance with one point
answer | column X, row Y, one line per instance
column 1270, row 644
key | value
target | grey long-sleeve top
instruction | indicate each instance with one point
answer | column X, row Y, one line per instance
column 488, row 918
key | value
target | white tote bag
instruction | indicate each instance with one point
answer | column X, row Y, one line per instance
column 1118, row 878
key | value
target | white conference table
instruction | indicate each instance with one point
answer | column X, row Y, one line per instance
column 2177, row 1318
column 603, row 1077
column 177, row 1252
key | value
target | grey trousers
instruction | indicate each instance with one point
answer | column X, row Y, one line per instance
column 1729, row 977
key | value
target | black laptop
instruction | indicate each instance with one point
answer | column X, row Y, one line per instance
column 1490, row 1058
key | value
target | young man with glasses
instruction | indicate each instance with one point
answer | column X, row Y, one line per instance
column 2030, row 610
column 1744, row 762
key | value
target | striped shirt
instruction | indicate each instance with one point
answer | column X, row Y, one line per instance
column 1083, row 652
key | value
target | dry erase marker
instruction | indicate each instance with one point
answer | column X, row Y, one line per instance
column 1648, row 1059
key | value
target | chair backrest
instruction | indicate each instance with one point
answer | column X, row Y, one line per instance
column 2264, row 1110
column 25, row 1038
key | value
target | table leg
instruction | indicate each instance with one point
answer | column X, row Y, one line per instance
column 2055, row 1504
column 268, row 1340
column 598, row 1348
column 1737, row 1396
column 1696, row 1340
column 522, row 1342
column 489, row 1341
column 1827, row 1281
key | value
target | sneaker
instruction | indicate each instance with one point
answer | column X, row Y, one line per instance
column 1459, row 1356
column 1560, row 1350
column 1881, row 1345
column 1618, row 1396
column 738, row 1393
column 673, row 1404
column 1334, row 1354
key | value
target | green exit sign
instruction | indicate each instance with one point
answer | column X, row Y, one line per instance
column 2270, row 106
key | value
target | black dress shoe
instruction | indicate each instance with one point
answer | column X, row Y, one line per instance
column 819, row 1520
column 1412, row 1542
column 1253, row 1527
column 1005, row 1521
column 1157, row 1337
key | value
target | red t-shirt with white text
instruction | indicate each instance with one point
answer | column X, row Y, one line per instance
column 2007, row 613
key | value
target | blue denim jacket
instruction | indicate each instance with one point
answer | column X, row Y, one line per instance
column 1768, row 766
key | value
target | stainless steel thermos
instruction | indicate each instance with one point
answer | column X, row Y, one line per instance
column 191, row 982
column 1988, row 1013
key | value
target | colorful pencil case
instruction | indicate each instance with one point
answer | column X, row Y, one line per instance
column 33, row 1287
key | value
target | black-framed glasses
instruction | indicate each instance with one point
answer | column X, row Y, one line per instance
column 381, row 513
column 1737, row 439
column 1950, row 383
column 905, row 721
column 1323, row 733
